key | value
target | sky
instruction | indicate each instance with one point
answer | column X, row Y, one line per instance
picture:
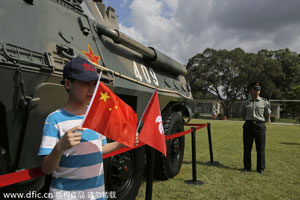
column 183, row 28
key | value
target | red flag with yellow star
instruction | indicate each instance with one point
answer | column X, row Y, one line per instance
column 109, row 115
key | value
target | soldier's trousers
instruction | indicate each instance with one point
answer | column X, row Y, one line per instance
column 254, row 132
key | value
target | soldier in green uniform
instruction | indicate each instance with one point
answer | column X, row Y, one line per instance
column 256, row 111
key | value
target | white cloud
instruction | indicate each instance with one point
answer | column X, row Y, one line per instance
column 172, row 4
column 183, row 28
column 155, row 29
column 132, row 32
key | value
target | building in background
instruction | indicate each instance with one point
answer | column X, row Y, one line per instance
column 206, row 106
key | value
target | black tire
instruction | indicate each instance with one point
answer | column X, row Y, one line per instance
column 169, row 167
column 3, row 162
column 124, row 173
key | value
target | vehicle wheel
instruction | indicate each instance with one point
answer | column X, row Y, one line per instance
column 3, row 163
column 124, row 173
column 169, row 167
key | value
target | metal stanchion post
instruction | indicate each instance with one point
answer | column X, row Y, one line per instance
column 212, row 162
column 194, row 154
column 194, row 167
column 150, row 171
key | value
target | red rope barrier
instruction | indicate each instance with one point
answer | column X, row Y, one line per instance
column 28, row 174
column 121, row 150
column 20, row 176
column 169, row 137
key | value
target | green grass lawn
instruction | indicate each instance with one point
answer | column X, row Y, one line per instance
column 282, row 120
column 225, row 181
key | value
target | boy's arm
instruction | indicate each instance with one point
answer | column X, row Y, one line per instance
column 70, row 139
column 110, row 147
column 51, row 161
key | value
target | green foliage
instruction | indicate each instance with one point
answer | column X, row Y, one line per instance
column 291, row 68
column 273, row 118
column 281, row 72
column 226, row 181
column 196, row 115
column 293, row 108
column 227, row 74
column 294, row 93
column 220, row 72
column 220, row 116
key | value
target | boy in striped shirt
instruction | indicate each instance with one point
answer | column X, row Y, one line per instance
column 72, row 154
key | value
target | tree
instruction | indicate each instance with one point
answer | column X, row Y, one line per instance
column 271, row 74
column 293, row 108
column 291, row 68
column 227, row 73
column 221, row 72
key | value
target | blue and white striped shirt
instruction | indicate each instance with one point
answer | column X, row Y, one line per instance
column 80, row 174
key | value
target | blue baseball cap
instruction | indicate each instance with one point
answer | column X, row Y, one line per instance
column 80, row 69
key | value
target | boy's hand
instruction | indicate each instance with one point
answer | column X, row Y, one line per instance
column 70, row 139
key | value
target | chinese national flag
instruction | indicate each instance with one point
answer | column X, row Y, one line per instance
column 152, row 132
column 109, row 115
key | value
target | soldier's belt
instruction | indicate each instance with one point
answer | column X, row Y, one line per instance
column 254, row 121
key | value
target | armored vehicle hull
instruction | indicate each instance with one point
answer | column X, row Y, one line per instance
column 36, row 39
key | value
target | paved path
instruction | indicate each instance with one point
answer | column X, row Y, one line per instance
column 279, row 123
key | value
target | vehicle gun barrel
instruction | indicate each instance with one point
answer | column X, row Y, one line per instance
column 149, row 53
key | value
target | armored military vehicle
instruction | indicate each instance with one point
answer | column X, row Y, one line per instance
column 36, row 39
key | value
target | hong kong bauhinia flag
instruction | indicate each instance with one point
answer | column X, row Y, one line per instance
column 152, row 132
column 109, row 115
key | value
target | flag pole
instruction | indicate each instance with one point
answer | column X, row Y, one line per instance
column 150, row 156
column 94, row 94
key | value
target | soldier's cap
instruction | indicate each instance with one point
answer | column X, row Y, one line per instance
column 255, row 85
column 80, row 69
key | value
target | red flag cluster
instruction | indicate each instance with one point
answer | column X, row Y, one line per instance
column 112, row 117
